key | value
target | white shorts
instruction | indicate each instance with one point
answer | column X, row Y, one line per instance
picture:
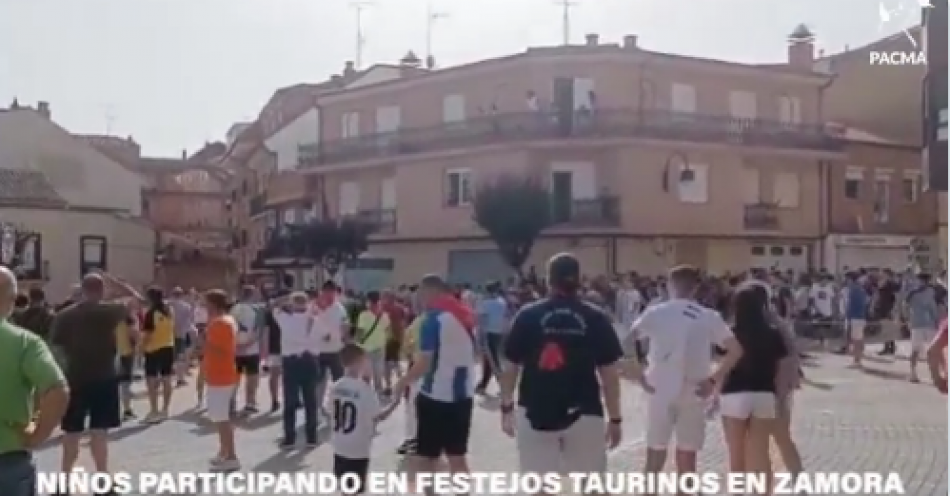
column 218, row 402
column 920, row 339
column 748, row 405
column 274, row 361
column 684, row 418
column 857, row 329
column 579, row 448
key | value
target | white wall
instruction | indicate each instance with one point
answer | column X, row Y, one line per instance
column 304, row 130
column 83, row 176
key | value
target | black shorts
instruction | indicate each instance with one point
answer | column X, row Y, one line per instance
column 92, row 406
column 442, row 428
column 126, row 364
column 160, row 363
column 248, row 365
column 182, row 345
column 393, row 350
column 351, row 467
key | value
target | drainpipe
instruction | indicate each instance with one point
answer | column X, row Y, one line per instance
column 824, row 174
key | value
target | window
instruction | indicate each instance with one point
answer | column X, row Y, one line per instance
column 787, row 190
column 683, row 100
column 777, row 251
column 910, row 187
column 350, row 125
column 789, row 110
column 387, row 194
column 695, row 191
column 453, row 108
column 758, row 251
column 349, row 200
column 742, row 104
column 882, row 199
column 852, row 183
column 458, row 187
column 796, row 251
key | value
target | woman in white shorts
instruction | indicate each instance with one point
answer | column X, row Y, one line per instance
column 748, row 401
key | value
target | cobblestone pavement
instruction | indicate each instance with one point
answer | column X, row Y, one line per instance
column 845, row 420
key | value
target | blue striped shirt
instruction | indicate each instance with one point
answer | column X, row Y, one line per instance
column 451, row 374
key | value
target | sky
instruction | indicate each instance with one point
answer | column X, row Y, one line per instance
column 175, row 74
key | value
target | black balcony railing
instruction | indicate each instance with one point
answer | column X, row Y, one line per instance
column 601, row 124
column 383, row 220
column 257, row 205
column 594, row 212
column 761, row 217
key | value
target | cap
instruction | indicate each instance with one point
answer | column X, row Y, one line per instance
column 564, row 269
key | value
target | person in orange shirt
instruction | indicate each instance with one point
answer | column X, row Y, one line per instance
column 221, row 376
column 937, row 358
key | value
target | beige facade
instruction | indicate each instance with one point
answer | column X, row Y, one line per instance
column 129, row 247
column 66, row 191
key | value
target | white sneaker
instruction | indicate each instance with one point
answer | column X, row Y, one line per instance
column 222, row 465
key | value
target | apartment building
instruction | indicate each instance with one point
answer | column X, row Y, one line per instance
column 651, row 158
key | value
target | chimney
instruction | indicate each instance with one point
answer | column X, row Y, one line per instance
column 592, row 39
column 630, row 41
column 349, row 68
column 184, row 154
column 801, row 48
column 430, row 62
column 410, row 60
column 43, row 109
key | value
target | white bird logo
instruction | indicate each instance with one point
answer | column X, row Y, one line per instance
column 886, row 16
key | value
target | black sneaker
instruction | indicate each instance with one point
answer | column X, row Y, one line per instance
column 287, row 444
column 128, row 416
column 407, row 447
column 250, row 409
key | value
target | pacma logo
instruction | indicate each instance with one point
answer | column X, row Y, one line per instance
column 898, row 58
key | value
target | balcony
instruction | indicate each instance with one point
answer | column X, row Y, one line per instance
column 595, row 212
column 761, row 217
column 382, row 220
column 604, row 124
column 257, row 205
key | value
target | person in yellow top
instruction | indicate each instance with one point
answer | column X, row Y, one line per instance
column 158, row 345
column 373, row 324
column 126, row 336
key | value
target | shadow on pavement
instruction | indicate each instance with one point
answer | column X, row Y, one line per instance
column 489, row 402
column 823, row 386
column 120, row 434
column 885, row 374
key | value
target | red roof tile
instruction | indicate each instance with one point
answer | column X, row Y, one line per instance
column 28, row 188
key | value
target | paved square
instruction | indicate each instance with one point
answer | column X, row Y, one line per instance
column 845, row 420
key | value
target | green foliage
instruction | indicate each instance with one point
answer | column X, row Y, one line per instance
column 513, row 210
column 328, row 242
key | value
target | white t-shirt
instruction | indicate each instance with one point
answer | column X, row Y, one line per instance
column 354, row 406
column 823, row 297
column 246, row 317
column 327, row 326
column 201, row 314
column 681, row 334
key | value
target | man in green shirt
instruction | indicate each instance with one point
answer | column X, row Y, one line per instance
column 27, row 369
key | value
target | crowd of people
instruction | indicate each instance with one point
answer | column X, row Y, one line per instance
column 557, row 346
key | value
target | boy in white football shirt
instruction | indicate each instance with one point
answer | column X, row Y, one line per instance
column 355, row 410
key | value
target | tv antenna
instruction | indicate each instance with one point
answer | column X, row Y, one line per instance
column 360, row 6
column 432, row 17
column 566, row 6
column 110, row 117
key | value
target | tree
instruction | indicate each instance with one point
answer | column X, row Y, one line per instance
column 330, row 243
column 513, row 210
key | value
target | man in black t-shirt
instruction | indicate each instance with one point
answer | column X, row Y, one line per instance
column 274, row 361
column 566, row 353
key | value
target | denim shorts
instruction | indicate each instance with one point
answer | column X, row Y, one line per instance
column 17, row 474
